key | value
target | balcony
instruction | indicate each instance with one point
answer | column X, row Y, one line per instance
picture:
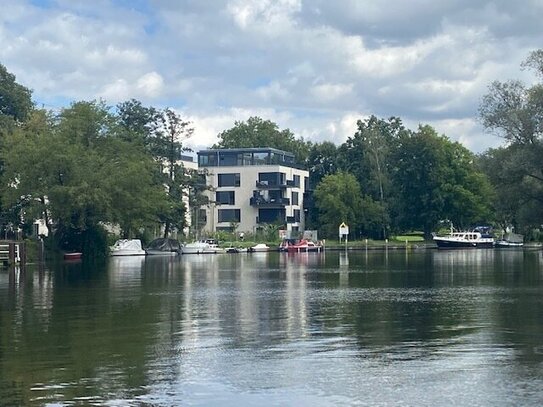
column 270, row 185
column 261, row 202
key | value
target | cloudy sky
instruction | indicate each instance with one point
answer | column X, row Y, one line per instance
column 314, row 66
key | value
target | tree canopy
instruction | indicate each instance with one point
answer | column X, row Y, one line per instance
column 257, row 132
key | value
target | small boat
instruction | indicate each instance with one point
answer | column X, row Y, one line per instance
column 204, row 246
column 260, row 247
column 164, row 247
column 73, row 256
column 304, row 246
column 127, row 247
column 236, row 250
column 476, row 238
column 510, row 240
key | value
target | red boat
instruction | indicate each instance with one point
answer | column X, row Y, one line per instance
column 304, row 246
column 73, row 256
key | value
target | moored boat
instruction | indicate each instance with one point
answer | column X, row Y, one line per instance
column 304, row 246
column 476, row 238
column 510, row 240
column 164, row 247
column 127, row 247
column 260, row 247
column 73, row 256
column 203, row 246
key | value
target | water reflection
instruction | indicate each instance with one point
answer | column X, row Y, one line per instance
column 335, row 328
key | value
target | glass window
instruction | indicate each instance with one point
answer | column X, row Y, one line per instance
column 271, row 215
column 296, row 215
column 229, row 180
column 229, row 215
column 228, row 159
column 260, row 158
column 294, row 198
column 225, row 197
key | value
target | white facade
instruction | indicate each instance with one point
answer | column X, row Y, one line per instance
column 253, row 194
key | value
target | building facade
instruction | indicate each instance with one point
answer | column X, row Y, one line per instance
column 251, row 187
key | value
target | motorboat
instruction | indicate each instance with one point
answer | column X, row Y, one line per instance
column 236, row 250
column 304, row 246
column 164, row 247
column 127, row 247
column 510, row 240
column 258, row 248
column 203, row 246
column 476, row 238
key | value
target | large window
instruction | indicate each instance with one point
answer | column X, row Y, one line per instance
column 272, row 178
column 226, row 159
column 229, row 215
column 229, row 180
column 225, row 197
column 271, row 215
column 294, row 198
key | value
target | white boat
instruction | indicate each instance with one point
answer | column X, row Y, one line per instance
column 204, row 246
column 127, row 247
column 510, row 240
column 261, row 247
column 476, row 238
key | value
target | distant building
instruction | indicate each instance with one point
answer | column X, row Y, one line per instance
column 252, row 187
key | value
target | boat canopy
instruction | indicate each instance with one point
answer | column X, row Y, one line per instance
column 164, row 244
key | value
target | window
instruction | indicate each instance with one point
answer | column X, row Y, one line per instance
column 297, row 181
column 296, row 215
column 229, row 215
column 272, row 178
column 207, row 160
column 225, row 197
column 294, row 198
column 226, row 159
column 306, row 183
column 229, row 180
column 271, row 215
column 260, row 158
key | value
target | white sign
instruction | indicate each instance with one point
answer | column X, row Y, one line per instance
column 343, row 229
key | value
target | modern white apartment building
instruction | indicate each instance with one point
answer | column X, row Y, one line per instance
column 252, row 187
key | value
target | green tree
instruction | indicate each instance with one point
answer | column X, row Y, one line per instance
column 515, row 112
column 338, row 198
column 82, row 176
column 167, row 147
column 256, row 132
column 366, row 155
column 15, row 99
column 437, row 179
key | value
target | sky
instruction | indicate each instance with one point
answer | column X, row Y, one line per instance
column 313, row 66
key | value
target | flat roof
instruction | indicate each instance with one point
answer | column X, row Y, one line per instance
column 246, row 150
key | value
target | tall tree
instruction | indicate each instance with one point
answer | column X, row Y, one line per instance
column 167, row 147
column 367, row 156
column 437, row 179
column 515, row 112
column 256, row 132
column 82, row 176
column 15, row 99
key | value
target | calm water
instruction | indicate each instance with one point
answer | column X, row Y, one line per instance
column 381, row 329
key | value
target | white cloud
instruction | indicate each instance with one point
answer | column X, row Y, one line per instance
column 314, row 67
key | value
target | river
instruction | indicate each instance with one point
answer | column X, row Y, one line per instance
column 378, row 328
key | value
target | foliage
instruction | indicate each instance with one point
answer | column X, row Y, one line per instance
column 515, row 112
column 256, row 132
column 437, row 179
column 15, row 99
column 338, row 198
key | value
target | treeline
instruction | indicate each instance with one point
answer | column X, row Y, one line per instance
column 90, row 165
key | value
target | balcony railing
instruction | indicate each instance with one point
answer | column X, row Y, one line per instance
column 270, row 185
column 270, row 202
